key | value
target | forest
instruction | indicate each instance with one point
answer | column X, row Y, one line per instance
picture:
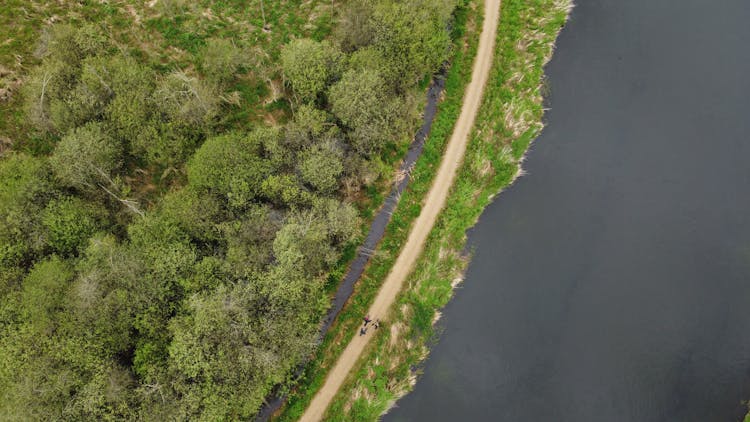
column 170, row 215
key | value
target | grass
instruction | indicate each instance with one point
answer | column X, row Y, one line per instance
column 465, row 34
column 166, row 34
column 509, row 119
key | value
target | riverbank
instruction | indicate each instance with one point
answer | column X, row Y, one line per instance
column 465, row 32
column 612, row 217
column 510, row 118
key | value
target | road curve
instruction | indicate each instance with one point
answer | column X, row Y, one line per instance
column 432, row 206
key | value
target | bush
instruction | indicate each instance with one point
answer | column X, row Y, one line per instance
column 412, row 38
column 24, row 189
column 311, row 240
column 231, row 166
column 321, row 167
column 44, row 290
column 85, row 157
column 69, row 222
column 309, row 66
column 360, row 102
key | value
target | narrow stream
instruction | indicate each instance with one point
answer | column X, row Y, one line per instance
column 612, row 283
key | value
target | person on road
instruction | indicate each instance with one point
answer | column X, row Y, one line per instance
column 376, row 324
column 367, row 320
column 362, row 331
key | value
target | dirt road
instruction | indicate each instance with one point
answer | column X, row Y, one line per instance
column 434, row 202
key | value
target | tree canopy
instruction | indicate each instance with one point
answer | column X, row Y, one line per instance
column 164, row 254
column 86, row 157
column 231, row 166
column 309, row 66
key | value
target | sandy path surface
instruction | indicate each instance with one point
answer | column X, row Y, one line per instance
column 434, row 202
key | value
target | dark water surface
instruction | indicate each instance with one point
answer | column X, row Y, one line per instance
column 612, row 283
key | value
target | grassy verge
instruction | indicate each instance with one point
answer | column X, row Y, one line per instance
column 466, row 29
column 509, row 119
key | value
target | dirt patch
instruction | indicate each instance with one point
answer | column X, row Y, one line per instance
column 5, row 145
column 133, row 13
column 10, row 82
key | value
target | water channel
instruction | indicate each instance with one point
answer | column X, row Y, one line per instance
column 612, row 283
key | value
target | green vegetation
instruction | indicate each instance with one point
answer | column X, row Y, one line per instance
column 167, row 35
column 466, row 27
column 173, row 199
column 510, row 117
column 309, row 66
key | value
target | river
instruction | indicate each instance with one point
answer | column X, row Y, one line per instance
column 612, row 283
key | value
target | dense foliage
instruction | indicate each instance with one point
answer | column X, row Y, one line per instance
column 195, row 305
column 510, row 117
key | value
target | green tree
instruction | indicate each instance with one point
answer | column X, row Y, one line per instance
column 130, row 113
column 359, row 100
column 232, row 345
column 69, row 222
column 250, row 240
column 209, row 273
column 44, row 291
column 108, row 394
column 321, row 167
column 166, row 248
column 309, row 124
column 24, row 189
column 412, row 38
column 355, row 27
column 284, row 190
column 231, row 166
column 45, row 91
column 54, row 100
column 198, row 215
column 60, row 379
column 86, row 157
column 106, row 297
column 33, row 384
column 309, row 66
column 168, row 259
column 311, row 240
column 409, row 37
column 70, row 371
column 70, row 45
column 88, row 98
